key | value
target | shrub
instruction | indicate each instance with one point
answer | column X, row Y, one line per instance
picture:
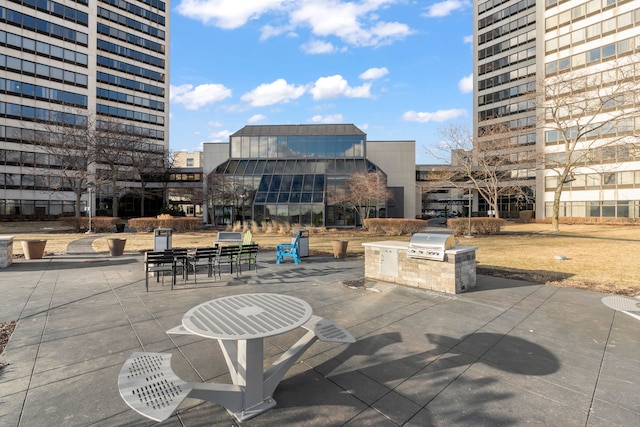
column 285, row 228
column 267, row 227
column 178, row 224
column 394, row 226
column 592, row 220
column 482, row 226
column 315, row 230
column 525, row 216
column 100, row 224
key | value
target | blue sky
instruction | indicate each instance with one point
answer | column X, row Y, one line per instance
column 397, row 69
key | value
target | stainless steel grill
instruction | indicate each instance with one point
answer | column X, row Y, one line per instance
column 430, row 245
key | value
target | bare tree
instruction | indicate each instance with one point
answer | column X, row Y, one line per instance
column 114, row 141
column 150, row 163
column 214, row 190
column 226, row 191
column 363, row 191
column 483, row 162
column 588, row 121
column 195, row 196
column 68, row 139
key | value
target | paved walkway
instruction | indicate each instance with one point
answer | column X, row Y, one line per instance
column 508, row 353
column 81, row 246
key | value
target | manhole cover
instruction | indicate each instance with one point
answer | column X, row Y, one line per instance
column 621, row 303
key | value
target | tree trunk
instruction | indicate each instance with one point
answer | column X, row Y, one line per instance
column 78, row 205
column 555, row 215
column 142, row 202
column 496, row 212
column 114, row 199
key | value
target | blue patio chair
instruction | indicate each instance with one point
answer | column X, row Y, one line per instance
column 289, row 250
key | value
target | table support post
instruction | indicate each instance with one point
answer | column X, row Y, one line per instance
column 250, row 372
column 274, row 374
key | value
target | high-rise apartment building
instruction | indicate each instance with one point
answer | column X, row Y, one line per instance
column 77, row 64
column 505, row 71
column 562, row 77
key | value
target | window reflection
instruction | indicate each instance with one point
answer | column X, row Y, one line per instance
column 296, row 147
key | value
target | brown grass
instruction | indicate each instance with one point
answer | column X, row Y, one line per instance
column 599, row 257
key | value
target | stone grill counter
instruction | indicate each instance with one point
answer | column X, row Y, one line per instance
column 388, row 261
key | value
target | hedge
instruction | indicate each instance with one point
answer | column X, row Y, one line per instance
column 481, row 226
column 100, row 224
column 592, row 220
column 394, row 226
column 178, row 224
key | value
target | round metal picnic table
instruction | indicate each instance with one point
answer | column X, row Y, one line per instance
column 247, row 316
column 240, row 323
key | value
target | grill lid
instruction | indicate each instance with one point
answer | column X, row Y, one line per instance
column 430, row 245
column 432, row 240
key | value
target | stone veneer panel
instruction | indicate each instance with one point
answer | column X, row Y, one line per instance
column 6, row 251
column 456, row 274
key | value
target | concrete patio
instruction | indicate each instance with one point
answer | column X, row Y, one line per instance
column 507, row 353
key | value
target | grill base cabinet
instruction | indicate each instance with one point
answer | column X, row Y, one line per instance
column 454, row 275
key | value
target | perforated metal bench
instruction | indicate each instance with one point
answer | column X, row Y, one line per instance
column 328, row 331
column 150, row 387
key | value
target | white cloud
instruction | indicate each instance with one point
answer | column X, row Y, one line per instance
column 268, row 31
column 444, row 8
column 228, row 14
column 336, row 86
column 466, row 84
column 256, row 118
column 273, row 93
column 356, row 24
column 195, row 97
column 438, row 116
column 315, row 47
column 214, row 123
column 468, row 39
column 219, row 136
column 331, row 118
column 374, row 73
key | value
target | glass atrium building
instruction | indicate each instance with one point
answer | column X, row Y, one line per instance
column 288, row 173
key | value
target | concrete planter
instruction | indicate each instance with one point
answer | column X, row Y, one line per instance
column 116, row 246
column 339, row 248
column 33, row 249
